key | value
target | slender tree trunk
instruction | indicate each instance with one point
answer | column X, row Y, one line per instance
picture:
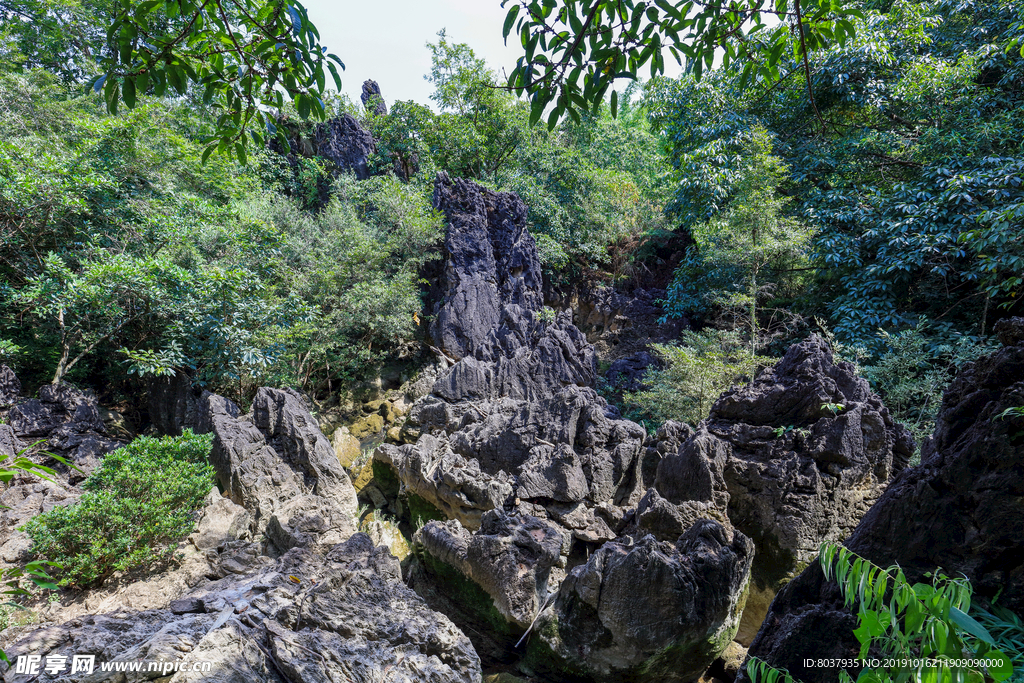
column 65, row 350
column 753, row 312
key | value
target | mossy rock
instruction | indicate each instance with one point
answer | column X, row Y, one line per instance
column 367, row 426
column 363, row 477
column 386, row 479
column 422, row 511
column 346, row 447
column 468, row 605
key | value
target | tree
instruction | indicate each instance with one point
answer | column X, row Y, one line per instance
column 753, row 233
column 240, row 56
column 575, row 49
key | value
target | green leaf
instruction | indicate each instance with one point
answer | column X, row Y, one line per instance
column 510, row 19
column 967, row 623
column 128, row 92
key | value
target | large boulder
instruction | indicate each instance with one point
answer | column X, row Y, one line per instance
column 794, row 458
column 277, row 464
column 491, row 583
column 961, row 509
column 345, row 616
column 345, row 143
column 648, row 611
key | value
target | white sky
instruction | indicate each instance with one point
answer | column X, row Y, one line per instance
column 386, row 40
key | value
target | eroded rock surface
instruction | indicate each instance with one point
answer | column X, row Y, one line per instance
column 68, row 423
column 343, row 616
column 277, row 464
column 10, row 386
column 961, row 509
column 794, row 458
column 536, row 474
column 646, row 611
column 345, row 143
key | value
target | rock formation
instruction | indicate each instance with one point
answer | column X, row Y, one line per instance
column 10, row 386
column 341, row 616
column 535, row 473
column 794, row 459
column 276, row 463
column 647, row 611
column 66, row 422
column 372, row 99
column 345, row 143
column 273, row 585
column 960, row 510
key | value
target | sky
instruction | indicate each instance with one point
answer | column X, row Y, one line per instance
column 386, row 40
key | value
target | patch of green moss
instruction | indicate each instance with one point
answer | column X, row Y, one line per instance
column 470, row 599
column 422, row 511
column 386, row 479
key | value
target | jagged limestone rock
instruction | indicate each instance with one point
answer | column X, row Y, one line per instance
column 646, row 612
column 789, row 466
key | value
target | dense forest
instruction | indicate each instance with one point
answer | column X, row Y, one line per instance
column 847, row 186
column 887, row 196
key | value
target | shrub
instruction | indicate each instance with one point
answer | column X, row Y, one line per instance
column 138, row 503
column 912, row 374
column 696, row 373
column 919, row 632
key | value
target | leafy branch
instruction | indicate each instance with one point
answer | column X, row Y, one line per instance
column 244, row 56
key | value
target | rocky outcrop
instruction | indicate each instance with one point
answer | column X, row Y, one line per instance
column 490, row 261
column 346, row 144
column 794, row 458
column 536, row 474
column 275, row 463
column 345, row 616
column 10, row 386
column 646, row 611
column 960, row 510
column 372, row 99
column 68, row 423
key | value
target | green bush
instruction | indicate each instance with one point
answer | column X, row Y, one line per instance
column 912, row 374
column 138, row 503
column 697, row 371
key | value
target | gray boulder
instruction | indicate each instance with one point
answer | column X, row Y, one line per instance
column 647, row 611
column 345, row 616
column 277, row 464
column 510, row 557
column 789, row 470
